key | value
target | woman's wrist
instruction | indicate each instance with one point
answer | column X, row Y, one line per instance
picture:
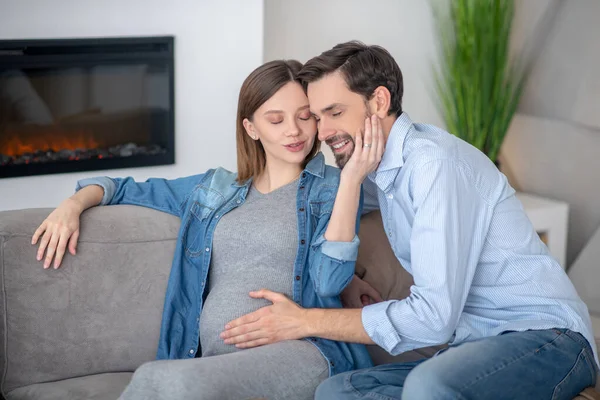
column 75, row 203
column 350, row 180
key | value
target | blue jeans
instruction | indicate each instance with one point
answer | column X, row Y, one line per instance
column 544, row 364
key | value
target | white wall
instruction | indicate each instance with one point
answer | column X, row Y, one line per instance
column 304, row 29
column 217, row 44
column 565, row 83
column 552, row 147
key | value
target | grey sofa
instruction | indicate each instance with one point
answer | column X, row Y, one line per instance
column 80, row 331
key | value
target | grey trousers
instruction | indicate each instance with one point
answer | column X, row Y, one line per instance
column 286, row 370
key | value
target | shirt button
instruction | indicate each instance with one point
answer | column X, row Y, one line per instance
column 302, row 241
column 390, row 234
column 304, row 174
column 301, row 187
column 301, row 209
column 191, row 351
column 331, row 363
column 207, row 249
column 217, row 216
column 297, row 277
column 390, row 196
column 239, row 201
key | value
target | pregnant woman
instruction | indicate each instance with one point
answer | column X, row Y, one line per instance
column 285, row 221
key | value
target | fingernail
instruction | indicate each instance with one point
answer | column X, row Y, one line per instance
column 39, row 258
column 56, row 267
column 227, row 326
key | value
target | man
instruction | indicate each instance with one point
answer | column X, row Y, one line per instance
column 483, row 280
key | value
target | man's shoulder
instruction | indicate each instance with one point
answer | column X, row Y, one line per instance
column 428, row 144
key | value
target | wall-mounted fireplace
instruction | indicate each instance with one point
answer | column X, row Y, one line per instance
column 85, row 104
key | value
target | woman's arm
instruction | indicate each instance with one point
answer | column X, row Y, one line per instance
column 336, row 250
column 61, row 228
column 364, row 160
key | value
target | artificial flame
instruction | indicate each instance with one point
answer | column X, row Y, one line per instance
column 54, row 140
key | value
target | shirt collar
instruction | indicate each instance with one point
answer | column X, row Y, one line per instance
column 316, row 166
column 393, row 158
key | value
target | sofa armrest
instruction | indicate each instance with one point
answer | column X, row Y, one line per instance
column 100, row 312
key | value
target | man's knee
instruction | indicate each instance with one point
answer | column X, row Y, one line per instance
column 331, row 388
column 428, row 382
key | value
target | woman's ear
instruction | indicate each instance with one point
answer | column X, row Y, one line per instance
column 250, row 130
column 380, row 102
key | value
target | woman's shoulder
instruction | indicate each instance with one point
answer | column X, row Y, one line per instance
column 219, row 178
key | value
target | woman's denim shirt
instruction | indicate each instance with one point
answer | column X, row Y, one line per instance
column 322, row 268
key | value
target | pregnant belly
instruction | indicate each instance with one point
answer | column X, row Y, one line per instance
column 222, row 306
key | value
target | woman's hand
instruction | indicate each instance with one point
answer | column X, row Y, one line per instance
column 60, row 229
column 368, row 151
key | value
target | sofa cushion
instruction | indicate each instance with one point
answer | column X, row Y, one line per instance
column 93, row 387
column 585, row 274
column 377, row 264
column 100, row 312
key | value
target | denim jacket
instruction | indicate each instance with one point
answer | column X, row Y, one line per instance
column 322, row 269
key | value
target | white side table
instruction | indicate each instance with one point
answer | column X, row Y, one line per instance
column 550, row 219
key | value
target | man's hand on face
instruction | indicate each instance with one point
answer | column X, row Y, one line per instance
column 283, row 320
column 359, row 293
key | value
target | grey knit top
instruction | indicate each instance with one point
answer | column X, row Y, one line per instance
column 254, row 247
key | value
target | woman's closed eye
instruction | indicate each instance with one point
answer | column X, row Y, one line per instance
column 305, row 116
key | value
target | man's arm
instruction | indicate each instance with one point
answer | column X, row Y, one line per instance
column 448, row 233
column 285, row 320
column 344, row 325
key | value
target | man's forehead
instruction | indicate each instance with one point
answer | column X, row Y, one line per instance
column 327, row 93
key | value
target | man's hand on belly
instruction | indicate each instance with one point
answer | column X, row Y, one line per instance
column 283, row 320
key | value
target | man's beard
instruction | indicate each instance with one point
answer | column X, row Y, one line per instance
column 342, row 158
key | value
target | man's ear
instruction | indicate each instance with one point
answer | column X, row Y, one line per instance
column 380, row 102
column 250, row 130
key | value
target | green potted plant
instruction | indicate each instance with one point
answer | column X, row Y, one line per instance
column 478, row 84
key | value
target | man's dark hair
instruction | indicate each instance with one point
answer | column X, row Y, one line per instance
column 363, row 67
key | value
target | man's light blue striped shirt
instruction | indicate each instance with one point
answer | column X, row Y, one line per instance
column 478, row 265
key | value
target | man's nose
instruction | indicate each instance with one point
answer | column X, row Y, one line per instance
column 325, row 130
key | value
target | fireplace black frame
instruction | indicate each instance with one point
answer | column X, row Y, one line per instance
column 33, row 53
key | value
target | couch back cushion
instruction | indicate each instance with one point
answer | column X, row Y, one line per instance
column 100, row 312
column 376, row 262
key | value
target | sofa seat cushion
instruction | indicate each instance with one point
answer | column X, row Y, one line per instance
column 92, row 387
